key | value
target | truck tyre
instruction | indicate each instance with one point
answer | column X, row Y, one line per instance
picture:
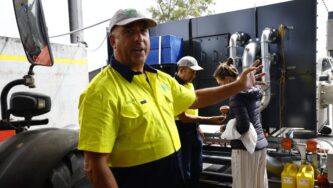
column 70, row 172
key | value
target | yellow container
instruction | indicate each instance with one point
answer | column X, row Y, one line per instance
column 288, row 175
column 305, row 176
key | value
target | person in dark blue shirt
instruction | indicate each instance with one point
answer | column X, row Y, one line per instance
column 248, row 170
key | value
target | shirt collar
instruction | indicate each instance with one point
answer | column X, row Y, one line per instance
column 126, row 72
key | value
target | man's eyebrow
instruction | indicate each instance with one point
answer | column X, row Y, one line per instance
column 144, row 24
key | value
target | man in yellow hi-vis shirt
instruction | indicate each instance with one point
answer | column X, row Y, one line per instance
column 126, row 114
column 190, row 134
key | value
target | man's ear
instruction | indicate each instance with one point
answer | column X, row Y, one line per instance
column 112, row 41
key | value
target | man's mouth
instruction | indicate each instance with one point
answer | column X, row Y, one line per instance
column 139, row 49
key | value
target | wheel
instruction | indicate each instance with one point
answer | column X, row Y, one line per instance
column 70, row 172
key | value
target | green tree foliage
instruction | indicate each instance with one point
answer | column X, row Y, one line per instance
column 171, row 10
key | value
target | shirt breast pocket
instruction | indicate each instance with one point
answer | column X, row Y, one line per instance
column 133, row 110
column 133, row 117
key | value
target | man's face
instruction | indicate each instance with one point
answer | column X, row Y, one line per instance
column 131, row 43
column 186, row 74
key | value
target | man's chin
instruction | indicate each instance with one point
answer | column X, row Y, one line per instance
column 141, row 59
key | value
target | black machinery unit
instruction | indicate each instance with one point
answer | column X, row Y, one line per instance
column 292, row 71
column 206, row 38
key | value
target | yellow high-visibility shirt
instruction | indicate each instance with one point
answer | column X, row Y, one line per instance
column 132, row 118
column 194, row 112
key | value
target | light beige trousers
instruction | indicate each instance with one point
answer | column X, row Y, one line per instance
column 249, row 170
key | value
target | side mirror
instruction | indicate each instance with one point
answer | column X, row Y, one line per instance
column 31, row 24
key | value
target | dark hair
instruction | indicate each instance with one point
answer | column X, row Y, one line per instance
column 226, row 68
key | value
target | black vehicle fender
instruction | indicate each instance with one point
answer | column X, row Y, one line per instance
column 28, row 158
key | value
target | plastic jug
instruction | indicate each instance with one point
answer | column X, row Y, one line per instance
column 288, row 175
column 305, row 176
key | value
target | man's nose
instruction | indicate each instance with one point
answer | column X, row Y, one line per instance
column 138, row 36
